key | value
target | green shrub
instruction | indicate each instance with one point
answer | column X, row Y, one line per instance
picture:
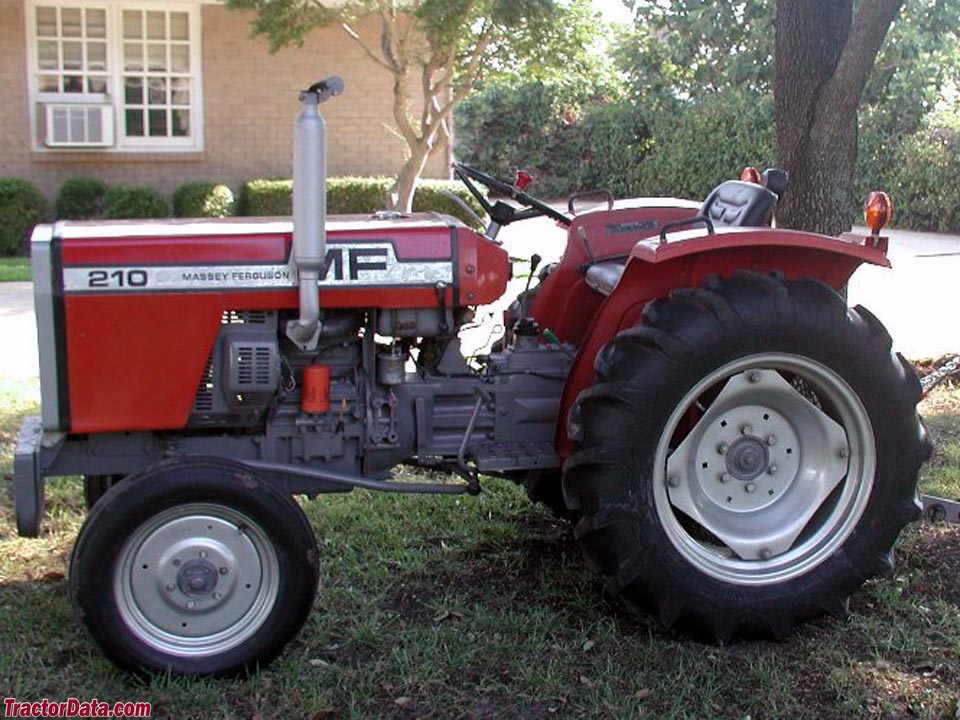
column 615, row 139
column 631, row 148
column 202, row 199
column 431, row 196
column 265, row 198
column 534, row 127
column 134, row 202
column 708, row 140
column 919, row 171
column 80, row 198
column 21, row 207
column 355, row 196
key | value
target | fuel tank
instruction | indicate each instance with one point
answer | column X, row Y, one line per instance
column 128, row 311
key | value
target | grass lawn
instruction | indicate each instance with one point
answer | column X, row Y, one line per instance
column 14, row 269
column 481, row 608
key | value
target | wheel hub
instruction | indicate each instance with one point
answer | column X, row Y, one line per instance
column 747, row 458
column 197, row 577
column 757, row 465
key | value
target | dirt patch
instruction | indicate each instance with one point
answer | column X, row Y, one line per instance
column 934, row 564
column 414, row 600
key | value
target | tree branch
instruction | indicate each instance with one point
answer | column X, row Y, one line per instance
column 348, row 29
column 867, row 33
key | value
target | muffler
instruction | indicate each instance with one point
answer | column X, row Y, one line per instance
column 310, row 208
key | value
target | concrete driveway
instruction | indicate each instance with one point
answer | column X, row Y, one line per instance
column 18, row 332
column 915, row 300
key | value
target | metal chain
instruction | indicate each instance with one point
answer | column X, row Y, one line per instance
column 929, row 382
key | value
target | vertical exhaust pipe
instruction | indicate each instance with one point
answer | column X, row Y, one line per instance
column 310, row 208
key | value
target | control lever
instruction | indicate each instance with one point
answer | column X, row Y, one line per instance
column 534, row 264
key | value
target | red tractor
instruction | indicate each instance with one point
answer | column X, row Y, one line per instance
column 738, row 449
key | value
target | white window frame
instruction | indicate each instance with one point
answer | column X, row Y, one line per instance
column 115, row 78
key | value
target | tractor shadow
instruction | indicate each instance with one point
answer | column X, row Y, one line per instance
column 540, row 566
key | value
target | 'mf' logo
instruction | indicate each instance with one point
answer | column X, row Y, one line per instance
column 343, row 263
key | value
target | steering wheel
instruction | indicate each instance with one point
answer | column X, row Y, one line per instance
column 500, row 212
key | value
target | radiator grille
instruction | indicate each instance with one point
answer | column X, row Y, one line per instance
column 255, row 365
column 203, row 402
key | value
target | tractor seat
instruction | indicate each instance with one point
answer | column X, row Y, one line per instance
column 731, row 204
column 739, row 204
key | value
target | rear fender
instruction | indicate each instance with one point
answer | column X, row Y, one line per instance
column 655, row 268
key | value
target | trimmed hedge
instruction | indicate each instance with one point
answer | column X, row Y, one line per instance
column 202, row 199
column 22, row 206
column 706, row 141
column 134, row 202
column 264, row 198
column 628, row 147
column 80, row 198
column 355, row 196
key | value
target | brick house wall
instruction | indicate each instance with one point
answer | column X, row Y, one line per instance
column 249, row 104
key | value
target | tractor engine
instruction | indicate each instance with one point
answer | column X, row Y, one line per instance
column 172, row 340
column 395, row 388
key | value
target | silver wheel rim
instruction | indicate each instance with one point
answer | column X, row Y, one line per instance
column 764, row 469
column 196, row 580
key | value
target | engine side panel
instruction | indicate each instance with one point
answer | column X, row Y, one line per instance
column 139, row 305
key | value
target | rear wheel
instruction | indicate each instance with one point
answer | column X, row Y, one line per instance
column 545, row 488
column 194, row 566
column 96, row 486
column 749, row 455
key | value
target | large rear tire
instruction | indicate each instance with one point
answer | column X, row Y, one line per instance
column 194, row 566
column 747, row 458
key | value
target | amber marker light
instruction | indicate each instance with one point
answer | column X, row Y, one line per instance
column 877, row 211
column 751, row 175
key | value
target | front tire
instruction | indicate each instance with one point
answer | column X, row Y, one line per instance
column 194, row 566
column 749, row 455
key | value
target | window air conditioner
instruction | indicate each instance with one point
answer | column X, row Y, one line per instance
column 78, row 125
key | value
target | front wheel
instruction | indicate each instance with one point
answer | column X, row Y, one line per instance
column 749, row 455
column 194, row 566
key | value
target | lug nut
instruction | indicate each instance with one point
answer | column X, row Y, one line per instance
column 746, row 430
column 217, row 595
column 750, row 487
column 725, row 477
column 223, row 571
column 673, row 480
column 171, row 587
column 772, row 470
column 764, row 554
column 176, row 562
column 191, row 605
column 843, row 452
column 771, row 440
column 753, row 376
column 722, row 448
column 203, row 553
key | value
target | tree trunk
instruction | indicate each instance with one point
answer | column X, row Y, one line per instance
column 401, row 194
column 824, row 56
